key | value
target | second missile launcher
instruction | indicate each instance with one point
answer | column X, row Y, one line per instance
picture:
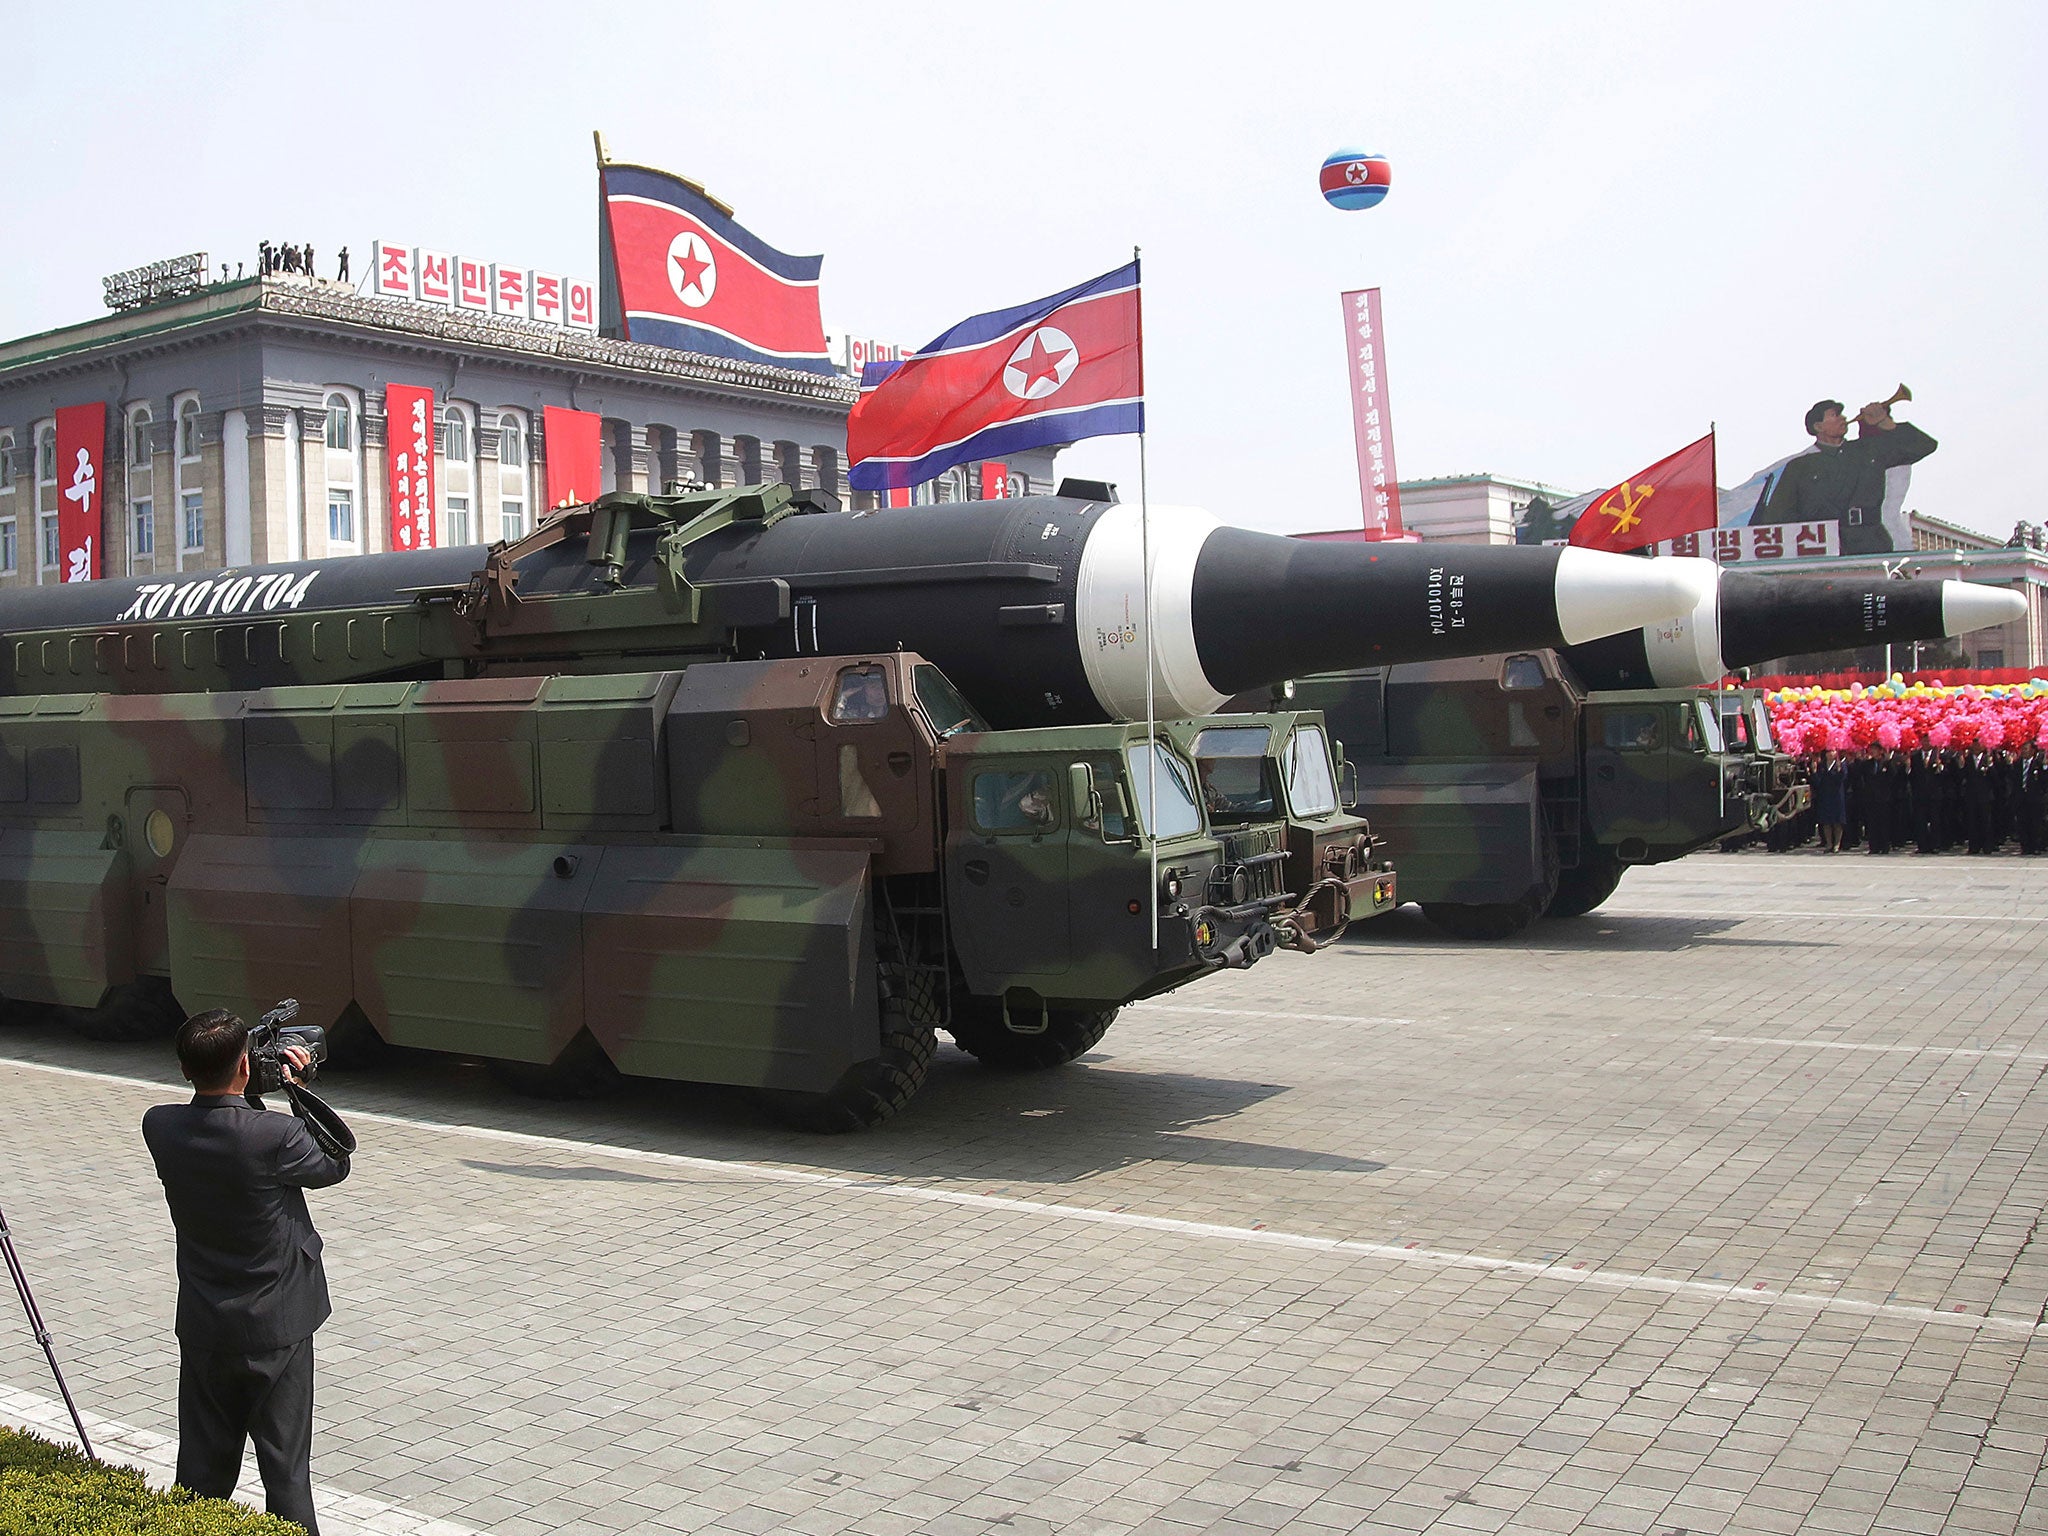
column 1511, row 787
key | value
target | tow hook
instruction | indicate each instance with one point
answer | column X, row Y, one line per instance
column 1292, row 937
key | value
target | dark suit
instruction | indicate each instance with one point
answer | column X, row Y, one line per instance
column 251, row 1291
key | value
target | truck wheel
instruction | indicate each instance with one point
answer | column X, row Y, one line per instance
column 1069, row 1032
column 870, row 1091
column 1483, row 920
column 581, row 1071
column 1580, row 890
column 143, row 1009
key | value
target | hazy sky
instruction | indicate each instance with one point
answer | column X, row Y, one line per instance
column 1610, row 224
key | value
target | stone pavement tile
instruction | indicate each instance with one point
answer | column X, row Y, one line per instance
column 1625, row 1097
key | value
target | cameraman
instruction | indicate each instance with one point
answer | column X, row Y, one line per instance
column 250, row 1286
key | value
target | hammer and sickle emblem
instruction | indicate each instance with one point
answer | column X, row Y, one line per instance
column 1631, row 500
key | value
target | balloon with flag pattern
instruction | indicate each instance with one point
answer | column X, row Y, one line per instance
column 1354, row 179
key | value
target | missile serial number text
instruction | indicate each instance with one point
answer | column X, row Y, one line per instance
column 1446, row 601
column 225, row 593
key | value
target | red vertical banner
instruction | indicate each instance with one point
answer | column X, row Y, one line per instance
column 409, row 464
column 81, row 487
column 1372, row 418
column 995, row 481
column 575, row 470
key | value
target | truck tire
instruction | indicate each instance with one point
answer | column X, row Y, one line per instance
column 581, row 1071
column 143, row 1009
column 1483, row 920
column 1580, row 890
column 870, row 1092
column 1069, row 1032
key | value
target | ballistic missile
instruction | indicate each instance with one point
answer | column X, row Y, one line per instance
column 1739, row 618
column 1035, row 608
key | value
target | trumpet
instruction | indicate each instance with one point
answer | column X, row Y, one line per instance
column 1901, row 393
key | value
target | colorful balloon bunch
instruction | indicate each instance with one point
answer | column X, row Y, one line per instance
column 1896, row 713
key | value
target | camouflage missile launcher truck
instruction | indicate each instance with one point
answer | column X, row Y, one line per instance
column 729, row 787
column 1506, row 791
column 783, row 874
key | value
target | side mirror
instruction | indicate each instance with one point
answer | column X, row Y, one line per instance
column 1347, row 784
column 1086, row 797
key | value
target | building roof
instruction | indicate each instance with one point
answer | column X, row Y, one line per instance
column 288, row 299
column 1537, row 486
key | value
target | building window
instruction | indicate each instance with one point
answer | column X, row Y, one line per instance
column 194, row 509
column 7, row 557
column 511, row 443
column 511, row 519
column 456, row 512
column 145, row 527
column 138, row 438
column 458, row 437
column 1020, row 485
column 341, row 515
column 341, row 436
column 46, row 455
column 6, row 462
column 49, row 539
column 188, row 430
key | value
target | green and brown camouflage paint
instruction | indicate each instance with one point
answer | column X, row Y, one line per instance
column 765, row 873
column 1505, row 791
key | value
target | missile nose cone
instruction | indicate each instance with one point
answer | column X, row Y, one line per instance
column 1968, row 605
column 1601, row 594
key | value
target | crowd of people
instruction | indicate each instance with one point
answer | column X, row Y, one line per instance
column 1933, row 799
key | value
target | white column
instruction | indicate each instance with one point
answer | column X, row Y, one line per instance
column 294, row 490
column 236, row 538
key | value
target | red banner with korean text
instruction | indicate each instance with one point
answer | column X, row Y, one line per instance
column 574, row 466
column 409, row 465
column 81, row 486
column 995, row 480
column 1372, row 416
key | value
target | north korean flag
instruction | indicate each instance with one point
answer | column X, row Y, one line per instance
column 1053, row 371
column 682, row 274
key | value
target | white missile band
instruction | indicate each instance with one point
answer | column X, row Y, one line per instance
column 1968, row 605
column 1685, row 652
column 1109, row 602
column 1601, row 594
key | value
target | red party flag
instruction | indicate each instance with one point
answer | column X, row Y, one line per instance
column 1673, row 496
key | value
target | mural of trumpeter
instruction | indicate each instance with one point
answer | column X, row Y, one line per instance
column 1844, row 481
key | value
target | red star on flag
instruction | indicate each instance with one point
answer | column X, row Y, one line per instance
column 1039, row 363
column 691, row 267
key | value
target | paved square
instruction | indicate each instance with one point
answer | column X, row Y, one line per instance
column 1715, row 1211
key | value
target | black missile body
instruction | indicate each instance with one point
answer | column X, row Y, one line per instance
column 1034, row 607
column 1745, row 617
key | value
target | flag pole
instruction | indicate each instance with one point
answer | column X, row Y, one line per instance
column 1145, row 588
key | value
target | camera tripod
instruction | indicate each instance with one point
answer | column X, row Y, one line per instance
column 40, row 1330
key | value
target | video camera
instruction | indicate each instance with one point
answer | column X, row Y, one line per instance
column 268, row 1037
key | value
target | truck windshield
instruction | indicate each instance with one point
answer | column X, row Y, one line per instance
column 1235, row 773
column 1178, row 812
column 948, row 713
column 1734, row 723
column 1311, row 780
column 1710, row 724
column 1760, row 728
